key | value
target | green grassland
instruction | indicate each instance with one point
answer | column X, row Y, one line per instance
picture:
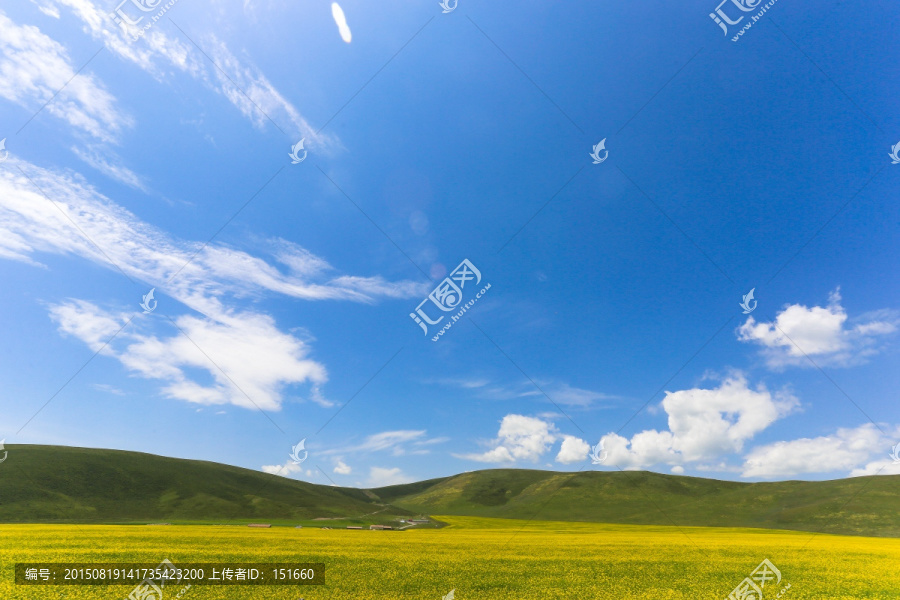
column 64, row 484
column 46, row 484
column 860, row 506
column 484, row 559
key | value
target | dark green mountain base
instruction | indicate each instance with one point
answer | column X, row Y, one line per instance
column 55, row 484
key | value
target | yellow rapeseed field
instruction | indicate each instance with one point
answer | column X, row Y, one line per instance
column 485, row 559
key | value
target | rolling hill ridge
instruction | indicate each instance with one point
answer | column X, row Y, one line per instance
column 41, row 484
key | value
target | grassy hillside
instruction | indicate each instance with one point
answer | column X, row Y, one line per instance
column 859, row 506
column 44, row 484
column 63, row 484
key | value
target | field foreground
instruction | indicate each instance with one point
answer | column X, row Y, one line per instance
column 479, row 558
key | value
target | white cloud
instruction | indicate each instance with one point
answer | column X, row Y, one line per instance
column 247, row 360
column 341, row 21
column 678, row 470
column 105, row 387
column 34, row 68
column 519, row 438
column 50, row 11
column 877, row 467
column 559, row 392
column 94, row 156
column 825, row 334
column 703, row 424
column 380, row 477
column 394, row 441
column 156, row 51
column 288, row 468
column 572, row 450
column 247, row 345
column 342, row 468
column 30, row 223
column 845, row 450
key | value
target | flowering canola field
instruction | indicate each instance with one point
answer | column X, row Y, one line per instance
column 486, row 559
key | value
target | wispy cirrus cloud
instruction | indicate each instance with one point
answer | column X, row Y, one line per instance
column 239, row 81
column 247, row 360
column 103, row 160
column 398, row 443
column 34, row 68
column 558, row 392
column 78, row 217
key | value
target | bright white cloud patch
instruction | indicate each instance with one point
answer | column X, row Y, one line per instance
column 247, row 359
column 257, row 357
column 572, row 450
column 342, row 468
column 519, row 438
column 34, row 68
column 288, row 468
column 845, row 450
column 704, row 424
column 824, row 333
column 338, row 13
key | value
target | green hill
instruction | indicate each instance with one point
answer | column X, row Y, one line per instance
column 41, row 484
column 860, row 505
column 63, row 484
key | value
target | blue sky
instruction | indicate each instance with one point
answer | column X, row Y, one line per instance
column 285, row 290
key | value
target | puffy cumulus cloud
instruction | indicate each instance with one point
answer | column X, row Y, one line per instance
column 703, row 424
column 885, row 466
column 845, row 450
column 572, row 450
column 824, row 333
column 247, row 360
column 342, row 468
column 519, row 438
column 35, row 69
column 380, row 477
